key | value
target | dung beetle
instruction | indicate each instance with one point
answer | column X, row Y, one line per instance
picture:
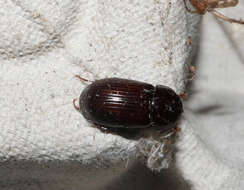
column 128, row 104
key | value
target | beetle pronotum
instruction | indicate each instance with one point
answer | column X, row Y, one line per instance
column 203, row 6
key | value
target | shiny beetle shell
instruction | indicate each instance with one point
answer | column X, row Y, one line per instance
column 122, row 103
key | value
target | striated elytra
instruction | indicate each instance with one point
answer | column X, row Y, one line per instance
column 122, row 103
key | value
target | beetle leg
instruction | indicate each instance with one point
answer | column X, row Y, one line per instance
column 223, row 17
column 189, row 41
column 183, row 95
column 75, row 106
column 83, row 79
column 177, row 129
column 126, row 133
column 104, row 129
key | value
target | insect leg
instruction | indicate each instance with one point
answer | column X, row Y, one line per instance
column 223, row 17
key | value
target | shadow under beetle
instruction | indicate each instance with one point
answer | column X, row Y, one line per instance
column 116, row 103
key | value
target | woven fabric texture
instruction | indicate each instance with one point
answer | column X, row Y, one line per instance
column 44, row 142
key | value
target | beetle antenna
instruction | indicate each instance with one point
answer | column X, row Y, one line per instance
column 223, row 17
column 83, row 79
column 75, row 106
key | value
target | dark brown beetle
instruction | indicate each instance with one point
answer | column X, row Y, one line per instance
column 120, row 103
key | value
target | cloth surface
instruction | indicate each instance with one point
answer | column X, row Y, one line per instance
column 217, row 103
column 45, row 143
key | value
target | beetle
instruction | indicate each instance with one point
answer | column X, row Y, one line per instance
column 203, row 6
column 116, row 103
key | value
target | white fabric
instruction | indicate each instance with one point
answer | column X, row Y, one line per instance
column 44, row 142
column 217, row 103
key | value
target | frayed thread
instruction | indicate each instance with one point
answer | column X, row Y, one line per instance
column 158, row 154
